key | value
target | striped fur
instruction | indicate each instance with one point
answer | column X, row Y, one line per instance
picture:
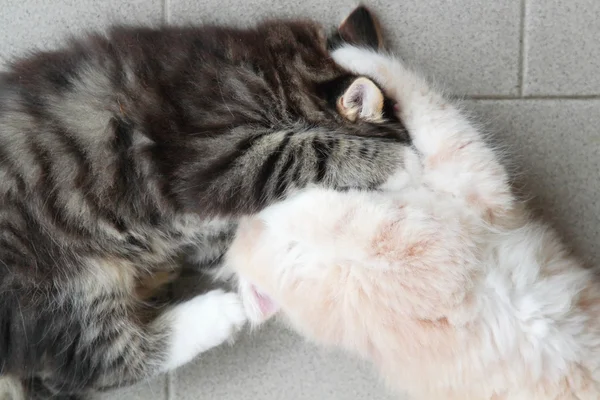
column 122, row 149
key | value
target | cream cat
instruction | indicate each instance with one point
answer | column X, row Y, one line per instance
column 442, row 279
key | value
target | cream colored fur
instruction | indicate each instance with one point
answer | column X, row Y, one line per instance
column 442, row 280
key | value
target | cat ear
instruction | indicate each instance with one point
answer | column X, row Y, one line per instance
column 362, row 100
column 361, row 28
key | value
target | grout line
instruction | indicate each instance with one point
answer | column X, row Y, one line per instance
column 535, row 97
column 169, row 386
column 167, row 11
column 522, row 48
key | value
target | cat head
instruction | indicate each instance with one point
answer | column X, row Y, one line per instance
column 357, row 270
column 316, row 88
column 360, row 271
column 361, row 99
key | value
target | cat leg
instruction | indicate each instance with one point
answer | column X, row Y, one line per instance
column 455, row 158
column 103, row 340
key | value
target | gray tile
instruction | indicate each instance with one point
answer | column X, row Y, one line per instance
column 28, row 24
column 472, row 46
column 555, row 147
column 562, row 47
column 275, row 364
column 154, row 389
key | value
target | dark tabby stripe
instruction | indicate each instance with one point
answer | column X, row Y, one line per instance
column 322, row 148
column 266, row 170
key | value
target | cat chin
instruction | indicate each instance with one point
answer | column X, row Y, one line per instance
column 259, row 306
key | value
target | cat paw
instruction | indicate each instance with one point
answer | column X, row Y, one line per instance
column 202, row 323
column 358, row 60
column 370, row 63
column 230, row 316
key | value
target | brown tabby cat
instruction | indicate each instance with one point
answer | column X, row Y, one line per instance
column 122, row 149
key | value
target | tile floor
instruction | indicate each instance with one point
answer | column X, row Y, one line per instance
column 530, row 71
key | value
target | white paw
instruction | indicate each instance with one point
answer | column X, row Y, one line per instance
column 357, row 60
column 226, row 310
column 202, row 323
